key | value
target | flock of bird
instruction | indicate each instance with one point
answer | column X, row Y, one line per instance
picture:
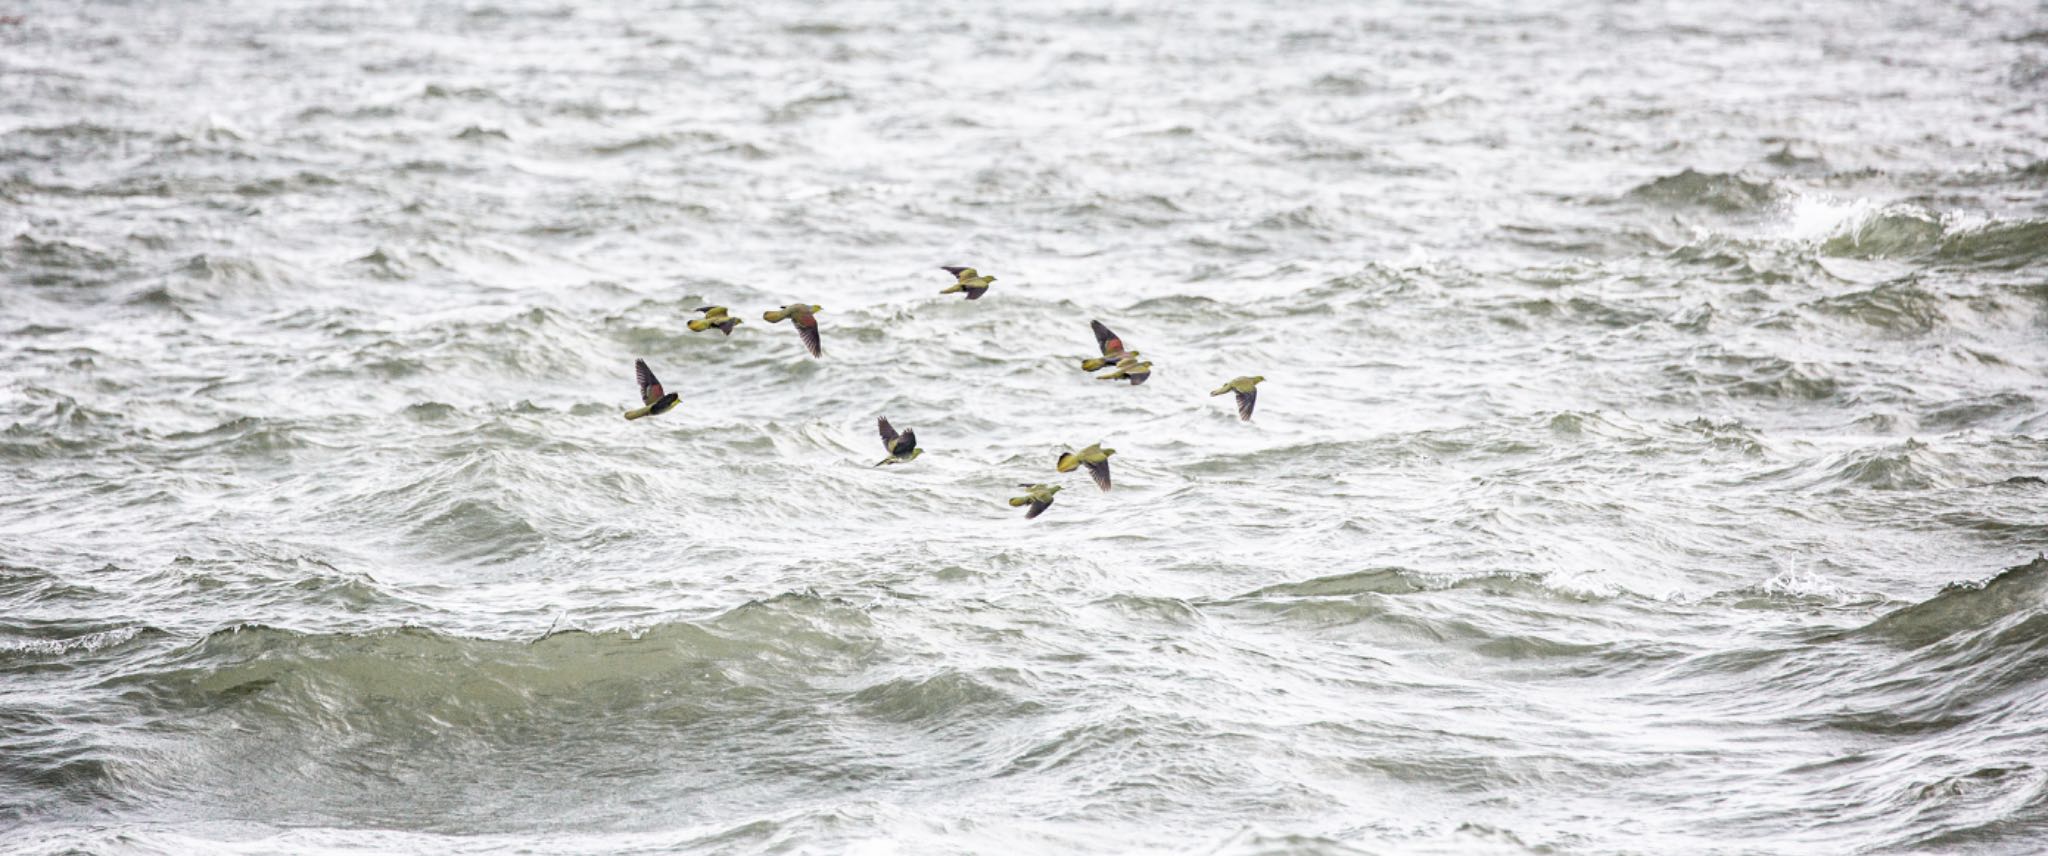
column 902, row 447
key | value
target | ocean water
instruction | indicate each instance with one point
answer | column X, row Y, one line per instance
column 1650, row 458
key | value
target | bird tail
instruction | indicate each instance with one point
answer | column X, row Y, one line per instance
column 1220, row 391
column 699, row 325
column 956, row 288
column 1018, row 500
column 1068, row 462
column 1113, row 376
column 635, row 414
column 774, row 315
column 1093, row 364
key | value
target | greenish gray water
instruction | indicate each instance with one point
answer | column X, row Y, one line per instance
column 1650, row 458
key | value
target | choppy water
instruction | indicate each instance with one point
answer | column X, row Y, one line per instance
column 1652, row 391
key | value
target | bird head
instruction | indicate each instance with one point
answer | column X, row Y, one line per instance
column 817, row 308
column 914, row 453
column 1258, row 378
column 1052, row 490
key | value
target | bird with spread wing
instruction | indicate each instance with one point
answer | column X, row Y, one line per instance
column 804, row 316
column 654, row 400
column 902, row 447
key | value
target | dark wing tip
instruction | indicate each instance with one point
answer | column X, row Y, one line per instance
column 809, row 333
column 1245, row 402
column 953, row 269
column 1100, row 472
column 908, row 441
column 888, row 431
column 1037, row 508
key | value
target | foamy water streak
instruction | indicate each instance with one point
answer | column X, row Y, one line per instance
column 1650, row 457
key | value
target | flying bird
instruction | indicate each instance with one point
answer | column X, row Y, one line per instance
column 1095, row 458
column 651, row 395
column 714, row 316
column 973, row 283
column 1038, row 496
column 1129, row 368
column 1112, row 349
column 1247, row 394
column 902, row 447
column 804, row 317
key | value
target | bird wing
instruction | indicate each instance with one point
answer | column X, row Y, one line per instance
column 1109, row 341
column 1245, row 401
column 1140, row 374
column 650, row 388
column 807, row 328
column 959, row 272
column 905, row 443
column 711, row 311
column 1037, row 508
column 888, row 432
column 976, row 293
column 1100, row 472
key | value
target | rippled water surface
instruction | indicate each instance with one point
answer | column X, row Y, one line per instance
column 1650, row 458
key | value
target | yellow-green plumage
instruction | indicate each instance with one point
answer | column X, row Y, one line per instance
column 1095, row 458
column 714, row 316
column 803, row 316
column 1247, row 394
column 1132, row 369
column 656, row 400
column 968, row 280
column 1092, row 364
column 1038, row 496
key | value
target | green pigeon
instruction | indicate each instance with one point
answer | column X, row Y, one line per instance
column 1094, row 457
column 651, row 394
column 1129, row 368
column 1112, row 349
column 804, row 317
column 714, row 316
column 1038, row 496
column 902, row 447
column 1247, row 394
column 973, row 283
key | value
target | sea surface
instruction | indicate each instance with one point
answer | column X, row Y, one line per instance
column 1650, row 458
